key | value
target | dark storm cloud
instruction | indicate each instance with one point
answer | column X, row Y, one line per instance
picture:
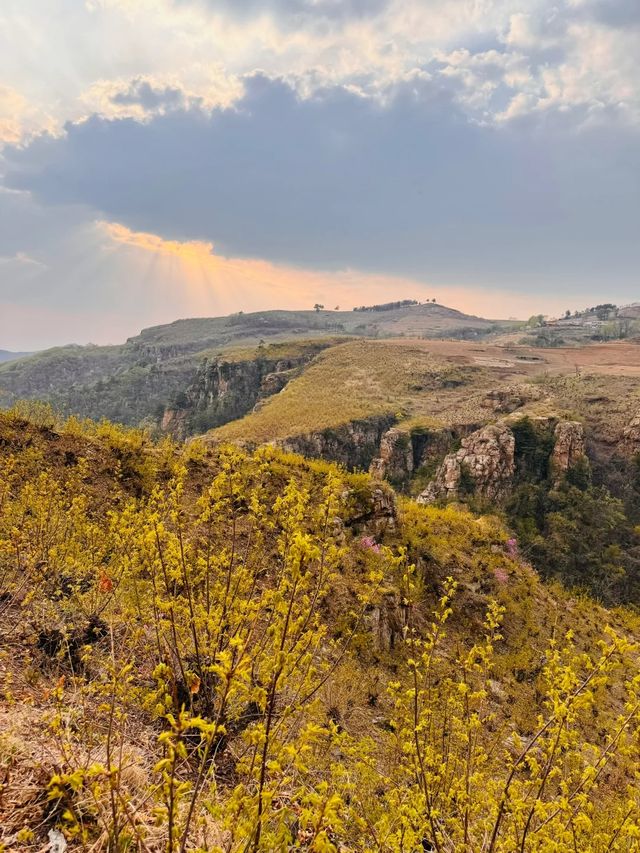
column 409, row 187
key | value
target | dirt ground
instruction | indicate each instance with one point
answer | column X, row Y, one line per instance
column 618, row 358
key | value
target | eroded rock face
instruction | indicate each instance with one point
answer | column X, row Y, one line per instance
column 173, row 421
column 224, row 389
column 630, row 442
column 395, row 461
column 485, row 463
column 387, row 622
column 569, row 447
column 353, row 445
column 371, row 512
column 274, row 382
column 384, row 510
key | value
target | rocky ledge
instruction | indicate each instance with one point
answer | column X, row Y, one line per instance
column 486, row 462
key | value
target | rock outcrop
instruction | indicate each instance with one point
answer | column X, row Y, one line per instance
column 630, row 443
column 388, row 622
column 485, row 465
column 384, row 510
column 395, row 461
column 487, row 461
column 369, row 512
column 174, row 421
column 569, row 446
column 403, row 452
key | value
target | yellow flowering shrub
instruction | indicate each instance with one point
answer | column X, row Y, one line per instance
column 204, row 649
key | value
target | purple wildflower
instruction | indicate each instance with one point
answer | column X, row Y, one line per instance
column 370, row 544
column 512, row 547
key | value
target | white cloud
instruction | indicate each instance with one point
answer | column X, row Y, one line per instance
column 540, row 54
column 20, row 119
column 21, row 259
column 145, row 96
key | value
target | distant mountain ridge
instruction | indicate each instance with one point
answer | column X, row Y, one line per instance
column 407, row 320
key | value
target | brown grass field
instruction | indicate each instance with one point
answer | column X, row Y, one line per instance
column 436, row 383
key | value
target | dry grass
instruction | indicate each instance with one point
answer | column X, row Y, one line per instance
column 357, row 380
column 442, row 383
column 273, row 350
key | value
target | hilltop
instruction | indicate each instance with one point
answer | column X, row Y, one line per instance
column 413, row 320
column 136, row 382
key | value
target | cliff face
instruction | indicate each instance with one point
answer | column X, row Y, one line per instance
column 489, row 461
column 395, row 460
column 569, row 446
column 403, row 453
column 353, row 445
column 630, row 442
column 484, row 464
column 225, row 389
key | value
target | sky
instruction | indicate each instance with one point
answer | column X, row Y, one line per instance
column 173, row 158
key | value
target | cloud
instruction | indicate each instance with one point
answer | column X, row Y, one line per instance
column 294, row 13
column 406, row 187
column 143, row 93
column 613, row 13
column 209, row 279
column 105, row 282
column 20, row 259
column 145, row 56
column 214, row 283
column 18, row 117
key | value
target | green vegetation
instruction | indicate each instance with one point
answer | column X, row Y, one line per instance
column 605, row 322
column 568, row 527
column 100, row 382
column 209, row 650
column 388, row 306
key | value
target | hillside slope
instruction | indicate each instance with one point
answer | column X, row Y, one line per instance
column 438, row 384
column 138, row 381
column 208, row 649
column 521, row 431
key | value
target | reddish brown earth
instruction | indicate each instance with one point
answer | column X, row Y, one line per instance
column 619, row 358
